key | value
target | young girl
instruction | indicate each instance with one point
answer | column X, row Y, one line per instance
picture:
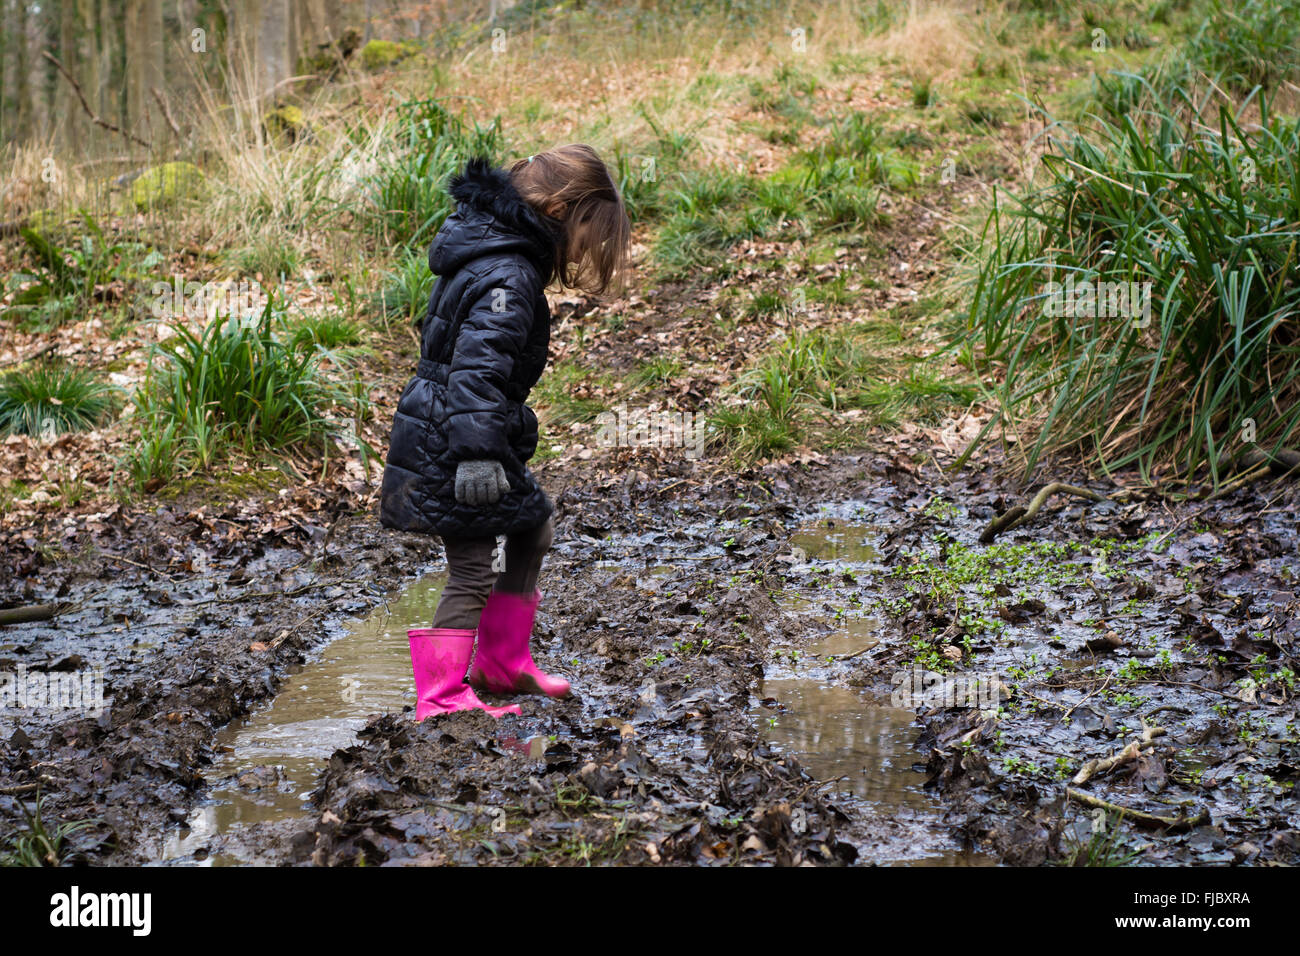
column 462, row 433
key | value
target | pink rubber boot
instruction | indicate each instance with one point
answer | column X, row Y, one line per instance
column 503, row 664
column 439, row 656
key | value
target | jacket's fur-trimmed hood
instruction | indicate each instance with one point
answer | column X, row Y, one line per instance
column 491, row 217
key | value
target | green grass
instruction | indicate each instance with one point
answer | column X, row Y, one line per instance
column 833, row 186
column 640, row 172
column 654, row 373
column 922, row 396
column 50, row 399
column 1168, row 192
column 39, row 844
column 67, row 280
column 407, row 287
column 767, row 302
column 800, row 391
column 326, row 331
column 559, row 397
column 713, row 210
column 407, row 198
column 270, row 255
column 1255, row 43
column 233, row 386
column 703, row 220
column 854, row 150
column 1105, row 847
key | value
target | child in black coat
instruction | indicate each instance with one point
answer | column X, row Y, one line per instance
column 462, row 433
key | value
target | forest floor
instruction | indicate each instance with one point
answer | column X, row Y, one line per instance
column 733, row 645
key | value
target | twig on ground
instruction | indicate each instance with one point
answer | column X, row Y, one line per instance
column 30, row 612
column 1176, row 824
column 1257, row 472
column 1130, row 753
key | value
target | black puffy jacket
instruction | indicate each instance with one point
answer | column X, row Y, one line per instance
column 483, row 347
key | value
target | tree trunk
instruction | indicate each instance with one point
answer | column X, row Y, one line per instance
column 145, row 54
column 273, row 58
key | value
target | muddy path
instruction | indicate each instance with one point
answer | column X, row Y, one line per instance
column 187, row 618
column 736, row 646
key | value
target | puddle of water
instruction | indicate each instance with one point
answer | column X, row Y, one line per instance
column 868, row 748
column 831, row 540
column 855, row 635
column 836, row 732
column 269, row 761
column 839, row 732
column 852, row 635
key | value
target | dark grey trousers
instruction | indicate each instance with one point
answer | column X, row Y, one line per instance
column 471, row 576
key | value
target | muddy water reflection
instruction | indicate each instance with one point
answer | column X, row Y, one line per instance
column 269, row 761
column 837, row 541
column 839, row 732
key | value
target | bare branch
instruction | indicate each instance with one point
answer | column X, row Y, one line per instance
column 95, row 118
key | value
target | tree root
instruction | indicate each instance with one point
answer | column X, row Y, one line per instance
column 29, row 613
column 1150, row 821
column 1282, row 462
column 1014, row 517
column 1256, row 464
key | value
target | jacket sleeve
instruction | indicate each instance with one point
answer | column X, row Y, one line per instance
column 491, row 339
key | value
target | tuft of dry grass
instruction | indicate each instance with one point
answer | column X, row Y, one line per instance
column 935, row 41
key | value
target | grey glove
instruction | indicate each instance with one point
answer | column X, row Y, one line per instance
column 480, row 483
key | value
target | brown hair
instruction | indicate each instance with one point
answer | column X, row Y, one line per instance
column 572, row 185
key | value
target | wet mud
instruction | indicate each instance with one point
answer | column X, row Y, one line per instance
column 737, row 651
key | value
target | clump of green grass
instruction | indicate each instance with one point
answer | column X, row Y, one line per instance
column 856, row 139
column 1255, row 43
column 979, row 115
column 835, row 185
column 233, row 386
column 407, row 198
column 922, row 395
column 39, row 844
column 713, row 210
column 269, row 255
column 655, row 373
column 407, row 287
column 1105, row 847
column 327, row 331
column 51, row 398
column 833, row 291
column 705, row 217
column 802, row 389
column 67, row 280
column 923, row 95
column 768, row 421
column 840, row 193
column 766, row 302
column 563, row 397
column 638, row 184
column 787, row 97
column 1202, row 207
column 640, row 173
